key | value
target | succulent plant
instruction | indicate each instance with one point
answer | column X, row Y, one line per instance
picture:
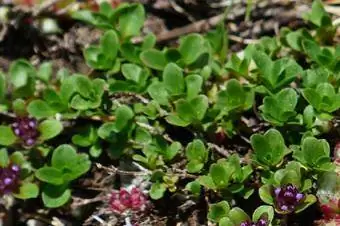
column 123, row 200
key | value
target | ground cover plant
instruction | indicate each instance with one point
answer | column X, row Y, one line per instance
column 227, row 139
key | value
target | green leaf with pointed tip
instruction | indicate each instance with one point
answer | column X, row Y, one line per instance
column 49, row 129
column 154, row 59
column 7, row 136
column 27, row 191
column 40, row 109
column 218, row 210
column 173, row 79
column 265, row 193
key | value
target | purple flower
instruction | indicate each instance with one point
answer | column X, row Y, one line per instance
column 287, row 198
column 9, row 179
column 27, row 130
column 260, row 222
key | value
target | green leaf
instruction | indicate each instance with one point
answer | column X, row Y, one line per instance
column 131, row 21
column 20, row 71
column 55, row 196
column 220, row 175
column 207, row 182
column 173, row 79
column 265, row 193
column 308, row 201
column 225, row 221
column 50, row 175
column 123, row 115
column 86, row 137
column 157, row 190
column 96, row 150
column 314, row 149
column 27, row 191
column 191, row 48
column 218, row 210
column 83, row 84
column 194, row 166
column 158, row 92
column 4, row 160
column 49, row 129
column 132, row 72
column 176, row 120
column 154, row 59
column 149, row 41
column 45, row 71
column 261, row 211
column 64, row 156
column 237, row 216
column 196, row 151
column 17, row 158
column 269, row 149
column 7, row 136
column 40, row 109
column 194, row 85
column 194, row 187
column 109, row 44
column 199, row 106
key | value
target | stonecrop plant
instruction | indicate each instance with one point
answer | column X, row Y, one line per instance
column 184, row 114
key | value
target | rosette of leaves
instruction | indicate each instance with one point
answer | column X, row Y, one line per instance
column 323, row 98
column 66, row 166
column 21, row 179
column 269, row 149
column 287, row 201
column 319, row 17
column 274, row 75
column 279, row 108
column 197, row 156
column 222, row 214
column 231, row 102
column 314, row 154
column 228, row 175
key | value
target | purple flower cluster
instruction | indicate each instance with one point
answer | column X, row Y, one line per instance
column 260, row 222
column 9, row 179
column 27, row 130
column 287, row 197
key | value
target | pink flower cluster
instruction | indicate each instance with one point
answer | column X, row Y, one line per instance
column 123, row 200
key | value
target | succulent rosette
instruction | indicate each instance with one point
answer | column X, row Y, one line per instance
column 124, row 201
